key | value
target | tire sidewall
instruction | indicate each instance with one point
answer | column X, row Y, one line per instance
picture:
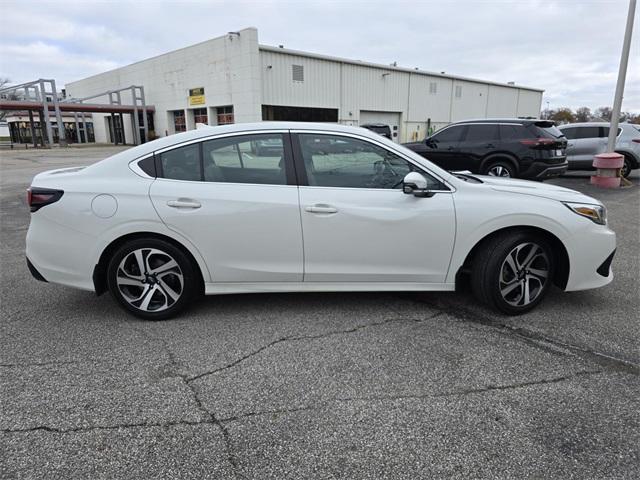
column 188, row 273
column 495, row 264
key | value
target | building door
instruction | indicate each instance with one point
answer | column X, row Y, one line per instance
column 387, row 118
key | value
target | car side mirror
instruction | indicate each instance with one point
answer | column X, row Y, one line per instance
column 429, row 142
column 415, row 184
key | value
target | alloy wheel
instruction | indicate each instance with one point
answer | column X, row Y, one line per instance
column 499, row 171
column 524, row 274
column 150, row 280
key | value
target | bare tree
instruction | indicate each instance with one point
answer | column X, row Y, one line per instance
column 563, row 115
column 604, row 113
column 583, row 114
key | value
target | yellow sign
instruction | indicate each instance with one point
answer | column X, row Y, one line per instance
column 196, row 100
column 196, row 96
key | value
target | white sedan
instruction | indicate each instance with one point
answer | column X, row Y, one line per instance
column 284, row 207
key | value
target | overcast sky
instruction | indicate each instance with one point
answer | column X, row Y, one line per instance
column 570, row 48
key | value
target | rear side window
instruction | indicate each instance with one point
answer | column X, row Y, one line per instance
column 587, row 132
column 604, row 132
column 547, row 130
column 182, row 163
column 482, row 133
column 245, row 159
column 148, row 166
column 514, row 132
column 449, row 134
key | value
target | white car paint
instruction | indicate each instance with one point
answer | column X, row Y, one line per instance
column 267, row 238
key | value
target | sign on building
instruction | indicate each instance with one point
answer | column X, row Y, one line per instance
column 196, row 96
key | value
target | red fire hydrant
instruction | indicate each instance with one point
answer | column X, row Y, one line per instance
column 608, row 167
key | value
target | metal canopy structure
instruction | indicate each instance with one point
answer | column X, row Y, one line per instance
column 42, row 96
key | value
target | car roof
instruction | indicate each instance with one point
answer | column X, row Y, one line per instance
column 374, row 125
column 592, row 124
column 500, row 120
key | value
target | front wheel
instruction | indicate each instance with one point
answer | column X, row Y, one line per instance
column 151, row 278
column 513, row 272
column 626, row 167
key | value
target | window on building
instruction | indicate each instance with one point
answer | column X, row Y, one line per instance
column 182, row 163
column 458, row 91
column 433, row 88
column 335, row 161
column 245, row 159
column 297, row 73
column 179, row 121
column 225, row 115
column 200, row 115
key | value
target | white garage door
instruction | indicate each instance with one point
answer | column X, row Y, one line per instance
column 388, row 118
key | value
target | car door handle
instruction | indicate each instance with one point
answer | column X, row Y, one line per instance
column 489, row 145
column 320, row 209
column 570, row 145
column 183, row 203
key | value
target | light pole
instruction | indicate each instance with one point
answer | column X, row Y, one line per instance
column 622, row 74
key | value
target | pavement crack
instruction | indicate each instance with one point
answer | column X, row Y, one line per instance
column 410, row 396
column 304, row 337
column 45, row 428
column 538, row 340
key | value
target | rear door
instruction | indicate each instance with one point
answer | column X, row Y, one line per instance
column 235, row 198
column 358, row 225
column 479, row 141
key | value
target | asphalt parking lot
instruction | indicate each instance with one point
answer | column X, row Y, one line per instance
column 316, row 385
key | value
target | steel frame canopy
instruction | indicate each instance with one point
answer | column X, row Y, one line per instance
column 42, row 96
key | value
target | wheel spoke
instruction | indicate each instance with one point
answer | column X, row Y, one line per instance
column 142, row 267
column 164, row 267
column 147, row 298
column 527, row 292
column 536, row 272
column 527, row 261
column 510, row 288
column 168, row 290
column 128, row 280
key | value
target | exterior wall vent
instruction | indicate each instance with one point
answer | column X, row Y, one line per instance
column 297, row 72
column 433, row 88
column 458, row 91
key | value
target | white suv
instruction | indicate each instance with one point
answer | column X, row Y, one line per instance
column 588, row 139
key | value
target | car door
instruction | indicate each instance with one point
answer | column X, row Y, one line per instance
column 442, row 148
column 479, row 141
column 358, row 225
column 237, row 202
column 570, row 134
column 586, row 144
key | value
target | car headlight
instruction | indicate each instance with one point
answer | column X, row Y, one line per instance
column 595, row 213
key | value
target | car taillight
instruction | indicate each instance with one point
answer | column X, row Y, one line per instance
column 538, row 142
column 40, row 197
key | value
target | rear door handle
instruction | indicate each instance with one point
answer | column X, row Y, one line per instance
column 320, row 209
column 184, row 203
column 489, row 145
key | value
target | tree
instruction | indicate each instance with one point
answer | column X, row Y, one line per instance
column 563, row 115
column 604, row 113
column 4, row 81
column 583, row 114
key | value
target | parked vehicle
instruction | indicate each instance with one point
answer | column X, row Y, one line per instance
column 531, row 149
column 163, row 222
column 379, row 128
column 585, row 140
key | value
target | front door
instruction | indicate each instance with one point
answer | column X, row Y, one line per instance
column 236, row 200
column 443, row 148
column 358, row 225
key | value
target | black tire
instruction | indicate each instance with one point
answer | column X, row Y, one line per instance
column 627, row 167
column 126, row 282
column 489, row 281
column 499, row 168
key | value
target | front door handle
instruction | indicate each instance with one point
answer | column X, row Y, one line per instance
column 489, row 145
column 184, row 203
column 318, row 208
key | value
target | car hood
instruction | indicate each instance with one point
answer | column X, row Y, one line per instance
column 538, row 189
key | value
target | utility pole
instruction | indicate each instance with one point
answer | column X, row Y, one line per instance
column 622, row 74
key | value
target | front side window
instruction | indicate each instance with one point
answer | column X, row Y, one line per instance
column 182, row 163
column 449, row 135
column 245, row 159
column 335, row 161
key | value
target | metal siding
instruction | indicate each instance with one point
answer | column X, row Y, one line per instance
column 529, row 103
column 503, row 102
column 472, row 103
column 320, row 88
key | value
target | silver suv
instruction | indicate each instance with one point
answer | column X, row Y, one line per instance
column 588, row 139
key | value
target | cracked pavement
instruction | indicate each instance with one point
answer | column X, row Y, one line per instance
column 342, row 385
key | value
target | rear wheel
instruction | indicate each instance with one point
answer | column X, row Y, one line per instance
column 151, row 278
column 627, row 166
column 499, row 168
column 513, row 272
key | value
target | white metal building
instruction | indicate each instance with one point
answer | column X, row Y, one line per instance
column 235, row 79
